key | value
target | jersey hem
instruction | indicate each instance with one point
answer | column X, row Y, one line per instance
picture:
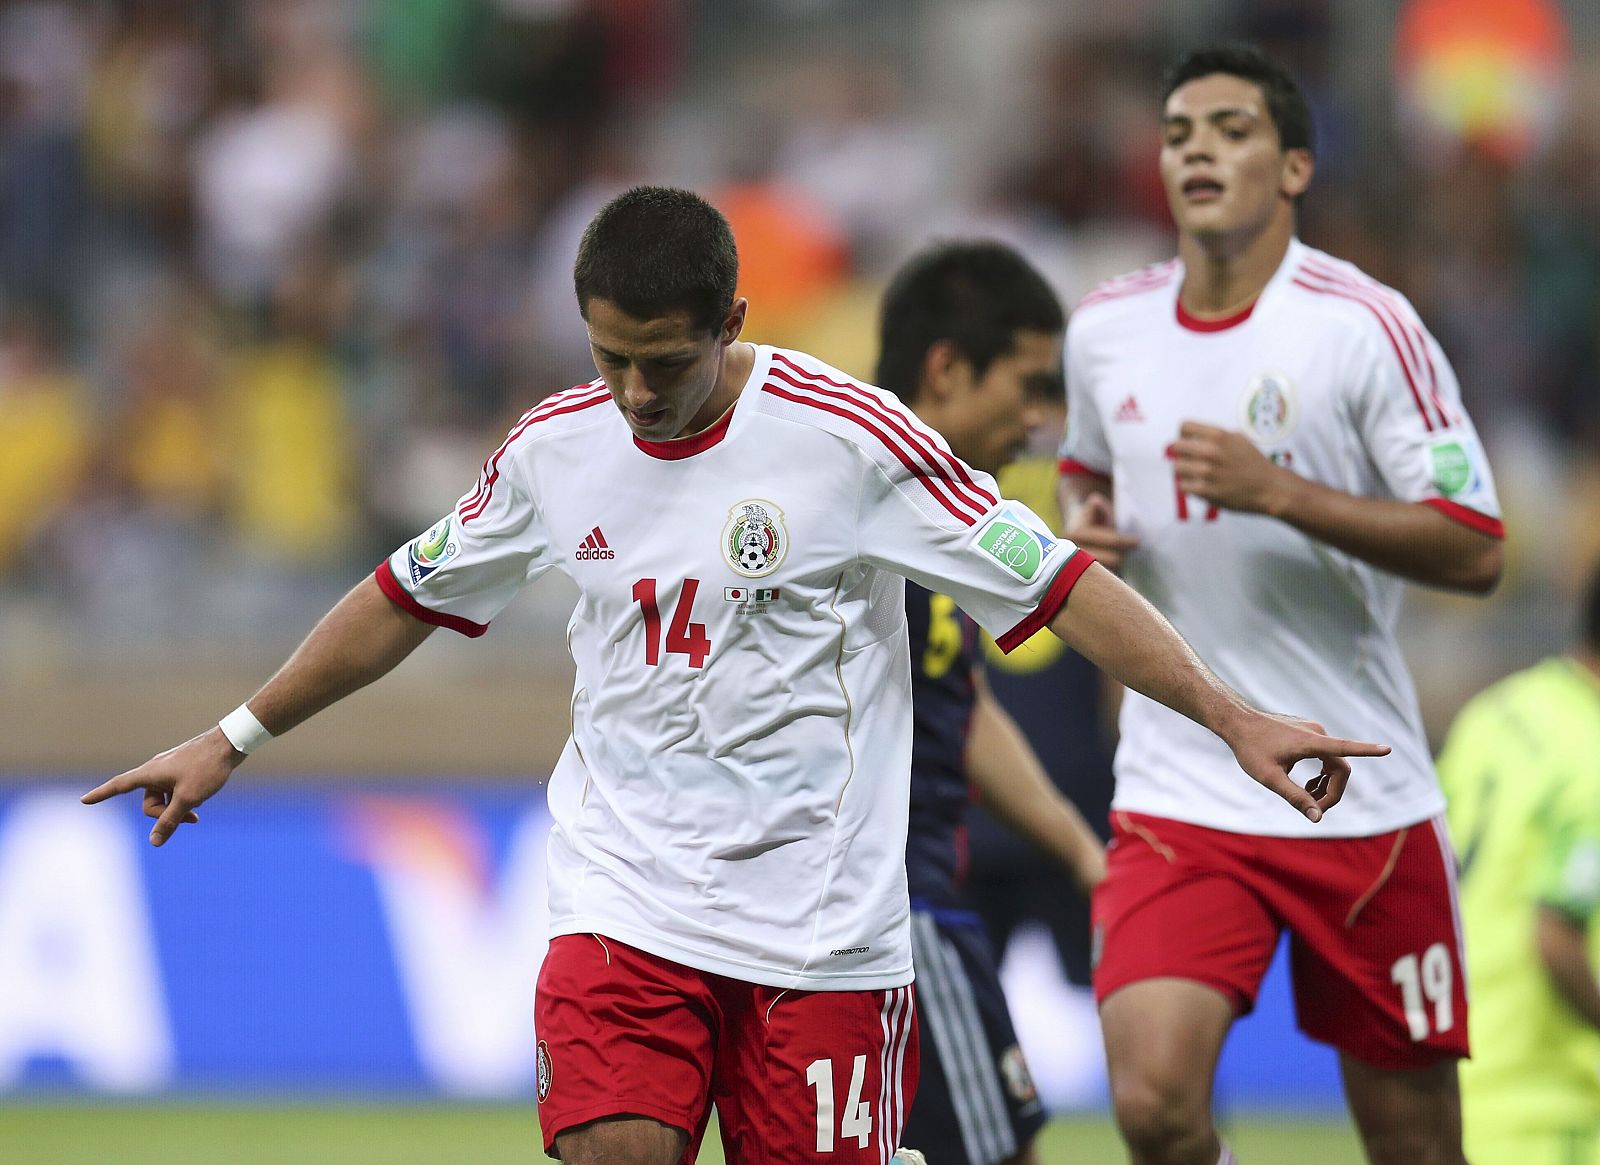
column 1400, row 820
column 1071, row 467
column 1482, row 523
column 866, row 980
column 406, row 601
column 1054, row 599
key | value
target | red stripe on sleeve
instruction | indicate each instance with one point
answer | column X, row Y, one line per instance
column 923, row 442
column 556, row 406
column 1069, row 467
column 1482, row 523
column 917, row 473
column 1054, row 599
column 1386, row 314
column 402, row 598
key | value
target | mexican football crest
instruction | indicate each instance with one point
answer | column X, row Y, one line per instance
column 754, row 540
column 1267, row 408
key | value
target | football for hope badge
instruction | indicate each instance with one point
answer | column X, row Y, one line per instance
column 754, row 539
column 1015, row 541
column 1456, row 468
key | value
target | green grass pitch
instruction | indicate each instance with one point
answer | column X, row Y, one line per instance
column 216, row 1134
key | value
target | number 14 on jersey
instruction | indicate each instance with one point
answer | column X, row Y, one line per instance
column 683, row 637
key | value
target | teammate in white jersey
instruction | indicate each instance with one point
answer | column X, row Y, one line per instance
column 727, row 861
column 1266, row 441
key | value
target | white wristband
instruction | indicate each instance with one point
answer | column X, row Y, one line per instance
column 243, row 730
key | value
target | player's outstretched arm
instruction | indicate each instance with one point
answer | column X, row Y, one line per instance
column 362, row 638
column 1109, row 623
column 1012, row 781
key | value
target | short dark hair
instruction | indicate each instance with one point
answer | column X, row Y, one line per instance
column 655, row 250
column 1591, row 615
column 1286, row 101
column 976, row 294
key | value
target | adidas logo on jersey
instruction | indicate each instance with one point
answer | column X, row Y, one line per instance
column 1128, row 410
column 594, row 546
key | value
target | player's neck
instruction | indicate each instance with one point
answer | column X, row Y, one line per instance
column 1223, row 276
column 736, row 367
column 1589, row 660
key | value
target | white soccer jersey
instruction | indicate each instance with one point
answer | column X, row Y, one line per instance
column 1335, row 377
column 734, row 793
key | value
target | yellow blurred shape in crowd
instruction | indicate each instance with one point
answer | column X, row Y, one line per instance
column 291, row 456
column 46, row 422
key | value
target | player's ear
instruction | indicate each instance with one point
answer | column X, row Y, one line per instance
column 942, row 370
column 733, row 322
column 1298, row 167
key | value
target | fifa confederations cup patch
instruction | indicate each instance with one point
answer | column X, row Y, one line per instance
column 428, row 552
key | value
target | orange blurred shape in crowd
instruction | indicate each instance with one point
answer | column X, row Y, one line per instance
column 1486, row 72
column 792, row 255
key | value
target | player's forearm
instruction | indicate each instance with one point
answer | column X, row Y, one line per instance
column 1117, row 630
column 362, row 638
column 1564, row 950
column 1409, row 539
column 1009, row 777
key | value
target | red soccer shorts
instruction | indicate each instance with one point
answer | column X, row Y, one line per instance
column 1375, row 933
column 795, row 1075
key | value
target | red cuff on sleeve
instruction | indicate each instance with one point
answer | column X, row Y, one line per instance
column 1482, row 523
column 402, row 598
column 1071, row 468
column 1054, row 599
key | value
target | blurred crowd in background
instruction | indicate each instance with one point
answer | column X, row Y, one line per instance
column 275, row 275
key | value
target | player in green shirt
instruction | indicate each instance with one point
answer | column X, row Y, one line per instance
column 1521, row 769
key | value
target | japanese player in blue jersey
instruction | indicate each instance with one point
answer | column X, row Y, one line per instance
column 971, row 340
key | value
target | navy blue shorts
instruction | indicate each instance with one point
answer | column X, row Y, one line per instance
column 976, row 1103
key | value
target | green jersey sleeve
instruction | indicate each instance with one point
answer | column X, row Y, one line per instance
column 1568, row 874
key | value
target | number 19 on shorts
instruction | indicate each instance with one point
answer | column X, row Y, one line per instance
column 1426, row 979
column 856, row 1120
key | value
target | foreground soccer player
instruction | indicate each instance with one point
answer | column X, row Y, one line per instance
column 970, row 339
column 1520, row 772
column 1282, row 438
column 727, row 860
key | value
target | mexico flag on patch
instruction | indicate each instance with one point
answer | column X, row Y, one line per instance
column 749, row 594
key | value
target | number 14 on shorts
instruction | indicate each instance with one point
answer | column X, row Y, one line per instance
column 856, row 1120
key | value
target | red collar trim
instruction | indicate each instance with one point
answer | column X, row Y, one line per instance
column 680, row 447
column 1196, row 324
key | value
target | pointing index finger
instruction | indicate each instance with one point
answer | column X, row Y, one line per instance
column 1334, row 746
column 117, row 785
